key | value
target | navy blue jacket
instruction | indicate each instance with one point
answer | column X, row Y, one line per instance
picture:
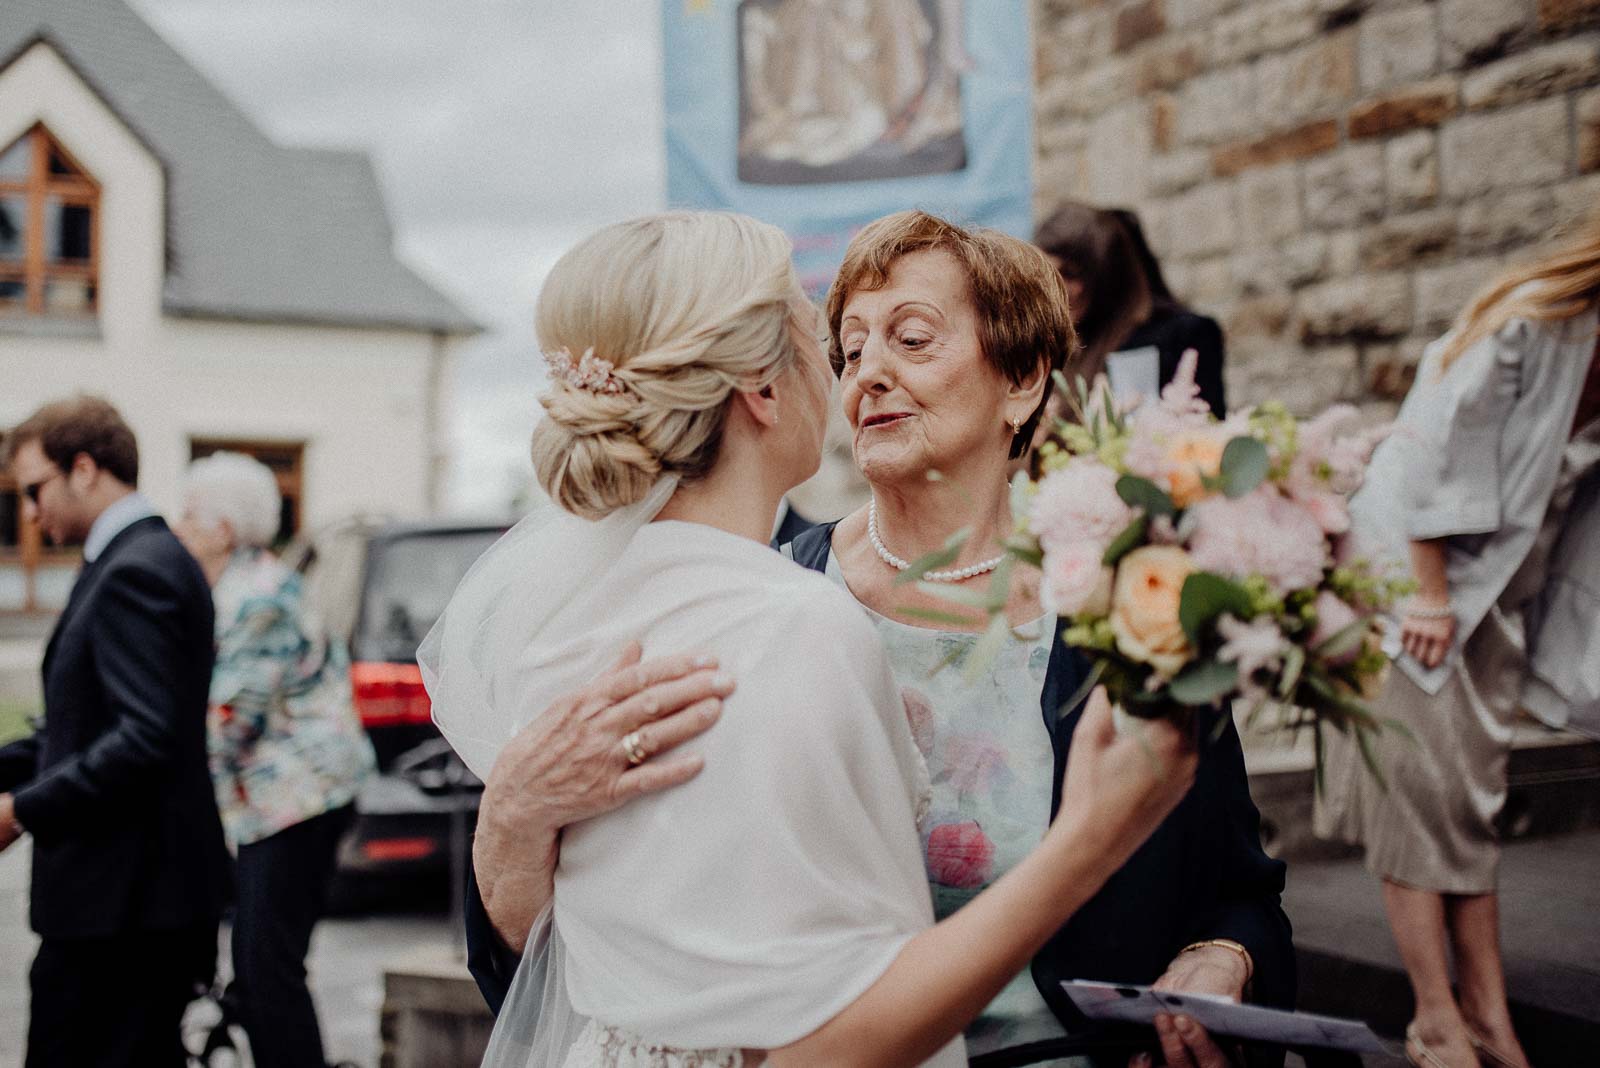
column 115, row 787
column 1201, row 875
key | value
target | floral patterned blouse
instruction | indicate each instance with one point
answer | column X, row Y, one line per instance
column 284, row 740
column 992, row 767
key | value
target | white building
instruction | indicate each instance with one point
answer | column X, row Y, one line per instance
column 222, row 290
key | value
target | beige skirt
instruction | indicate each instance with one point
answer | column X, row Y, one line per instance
column 1434, row 827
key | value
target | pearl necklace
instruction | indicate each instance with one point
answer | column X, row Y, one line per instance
column 954, row 575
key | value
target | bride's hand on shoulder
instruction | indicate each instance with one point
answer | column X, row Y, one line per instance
column 1119, row 787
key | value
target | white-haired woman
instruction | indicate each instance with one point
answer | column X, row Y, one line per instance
column 287, row 755
column 774, row 907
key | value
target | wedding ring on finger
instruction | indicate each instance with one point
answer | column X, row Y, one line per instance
column 633, row 748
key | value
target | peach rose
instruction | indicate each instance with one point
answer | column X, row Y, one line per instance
column 1144, row 607
column 1192, row 458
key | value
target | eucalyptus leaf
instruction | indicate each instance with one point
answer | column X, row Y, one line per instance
column 1347, row 640
column 1131, row 538
column 1206, row 596
column 941, row 557
column 1086, row 687
column 1204, row 683
column 1025, row 549
column 1245, row 463
column 933, row 615
column 1370, row 758
column 1294, row 661
column 982, row 656
column 1142, row 493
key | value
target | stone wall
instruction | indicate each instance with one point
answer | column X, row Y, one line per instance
column 1332, row 179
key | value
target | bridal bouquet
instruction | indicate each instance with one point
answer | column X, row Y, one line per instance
column 1200, row 561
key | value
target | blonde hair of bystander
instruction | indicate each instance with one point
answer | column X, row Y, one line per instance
column 1556, row 286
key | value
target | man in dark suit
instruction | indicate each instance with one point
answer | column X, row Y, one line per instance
column 130, row 871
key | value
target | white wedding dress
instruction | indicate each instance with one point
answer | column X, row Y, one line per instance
column 744, row 909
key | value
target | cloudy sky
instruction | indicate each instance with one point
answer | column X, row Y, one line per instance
column 503, row 131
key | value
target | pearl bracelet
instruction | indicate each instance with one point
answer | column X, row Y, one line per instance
column 1417, row 612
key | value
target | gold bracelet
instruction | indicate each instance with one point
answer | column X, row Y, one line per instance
column 1227, row 943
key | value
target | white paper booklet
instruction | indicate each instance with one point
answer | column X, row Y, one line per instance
column 1128, row 1003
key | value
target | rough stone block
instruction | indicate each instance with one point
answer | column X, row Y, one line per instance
column 1398, row 46
column 1533, row 74
column 1344, row 253
column 1411, row 167
column 1269, row 204
column 1217, row 106
column 1210, row 284
column 1309, row 140
column 1185, row 13
column 1301, row 83
column 1262, row 316
column 1526, row 145
column 1174, row 172
column 1062, row 175
column 1510, row 218
column 1588, row 115
column 1139, row 22
column 1423, row 104
column 1203, row 221
column 1363, row 307
column 1566, row 14
column 1346, row 186
column 1391, row 369
column 1576, row 201
column 1168, row 63
column 1473, row 29
column 1263, row 27
column 1119, row 154
column 1443, row 291
column 1163, row 121
column 1305, row 382
column 1426, row 104
column 1403, row 240
column 1305, row 259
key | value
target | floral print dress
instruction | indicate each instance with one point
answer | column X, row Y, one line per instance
column 285, row 744
column 993, row 769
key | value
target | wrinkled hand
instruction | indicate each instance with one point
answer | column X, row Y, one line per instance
column 568, row 765
column 1427, row 640
column 1120, row 787
column 1207, row 970
column 10, row 829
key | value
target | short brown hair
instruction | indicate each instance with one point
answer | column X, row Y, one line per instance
column 81, row 424
column 1020, row 298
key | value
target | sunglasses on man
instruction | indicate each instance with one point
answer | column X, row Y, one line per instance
column 31, row 490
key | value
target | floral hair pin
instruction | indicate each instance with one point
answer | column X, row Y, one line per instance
column 588, row 373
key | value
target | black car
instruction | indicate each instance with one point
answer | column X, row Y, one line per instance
column 380, row 586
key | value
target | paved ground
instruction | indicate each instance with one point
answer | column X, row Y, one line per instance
column 347, row 961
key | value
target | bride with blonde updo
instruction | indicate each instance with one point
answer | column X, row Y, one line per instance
column 774, row 908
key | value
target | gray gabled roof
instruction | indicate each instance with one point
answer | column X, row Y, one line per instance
column 255, row 230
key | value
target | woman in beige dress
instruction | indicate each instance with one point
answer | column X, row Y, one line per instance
column 1489, row 489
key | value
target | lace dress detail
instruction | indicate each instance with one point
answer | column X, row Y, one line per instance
column 602, row 1046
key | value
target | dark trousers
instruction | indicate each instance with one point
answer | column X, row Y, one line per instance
column 116, row 1001
column 283, row 882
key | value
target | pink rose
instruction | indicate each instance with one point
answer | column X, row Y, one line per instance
column 960, row 855
column 1333, row 615
column 1076, row 580
column 1262, row 533
column 1079, row 503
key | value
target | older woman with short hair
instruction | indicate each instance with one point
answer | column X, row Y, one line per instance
column 287, row 755
column 944, row 339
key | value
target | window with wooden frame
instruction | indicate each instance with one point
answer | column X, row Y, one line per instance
column 285, row 459
column 49, row 230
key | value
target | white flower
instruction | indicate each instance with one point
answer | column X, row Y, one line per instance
column 1252, row 646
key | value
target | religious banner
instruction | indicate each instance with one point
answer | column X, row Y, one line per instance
column 821, row 115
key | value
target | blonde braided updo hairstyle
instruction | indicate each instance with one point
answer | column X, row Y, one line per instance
column 687, row 307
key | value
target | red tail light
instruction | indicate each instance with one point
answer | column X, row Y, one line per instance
column 388, row 695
